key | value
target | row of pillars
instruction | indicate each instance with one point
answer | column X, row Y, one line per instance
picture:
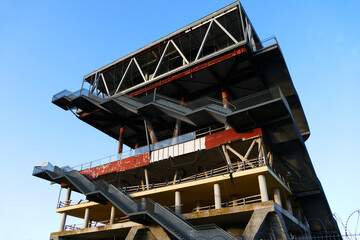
column 86, row 215
column 276, row 191
column 217, row 196
column 178, row 204
column 217, row 199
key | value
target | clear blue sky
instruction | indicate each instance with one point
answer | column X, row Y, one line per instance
column 47, row 46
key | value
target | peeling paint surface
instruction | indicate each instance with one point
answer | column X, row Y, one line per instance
column 118, row 166
column 216, row 139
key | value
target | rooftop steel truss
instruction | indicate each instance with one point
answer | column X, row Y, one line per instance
column 210, row 36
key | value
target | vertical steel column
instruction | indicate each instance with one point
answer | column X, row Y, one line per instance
column 151, row 132
column 263, row 188
column 178, row 122
column 121, row 136
column 226, row 103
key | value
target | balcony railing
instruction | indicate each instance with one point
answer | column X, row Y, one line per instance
column 42, row 167
column 71, row 203
column 250, row 164
column 77, row 226
column 141, row 150
column 233, row 203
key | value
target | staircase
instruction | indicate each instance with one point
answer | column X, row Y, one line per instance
column 145, row 211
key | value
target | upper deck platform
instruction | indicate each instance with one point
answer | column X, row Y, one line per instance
column 220, row 52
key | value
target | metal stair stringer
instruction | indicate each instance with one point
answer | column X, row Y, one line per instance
column 102, row 192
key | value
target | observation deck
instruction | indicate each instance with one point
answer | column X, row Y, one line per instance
column 220, row 51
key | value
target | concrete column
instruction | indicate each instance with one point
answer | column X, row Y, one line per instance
column 263, row 188
column 217, row 196
column 177, row 202
column 146, row 178
column 288, row 206
column 277, row 197
column 112, row 215
column 67, row 198
column 63, row 221
column 86, row 217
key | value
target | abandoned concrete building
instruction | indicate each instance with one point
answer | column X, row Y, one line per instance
column 216, row 133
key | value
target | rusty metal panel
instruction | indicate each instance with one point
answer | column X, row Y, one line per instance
column 216, row 139
column 118, row 166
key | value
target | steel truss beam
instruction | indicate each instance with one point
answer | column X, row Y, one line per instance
column 246, row 32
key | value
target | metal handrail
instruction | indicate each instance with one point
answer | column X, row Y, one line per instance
column 77, row 226
column 134, row 152
column 233, row 203
column 250, row 164
column 266, row 43
column 68, row 203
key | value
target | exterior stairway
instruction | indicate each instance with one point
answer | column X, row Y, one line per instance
column 145, row 211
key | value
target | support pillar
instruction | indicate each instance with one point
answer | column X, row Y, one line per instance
column 63, row 222
column 178, row 202
column 86, row 217
column 67, row 198
column 176, row 132
column 277, row 197
column 263, row 188
column 142, row 185
column 175, row 177
column 121, row 136
column 146, row 178
column 151, row 132
column 217, row 196
column 112, row 215
column 226, row 103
